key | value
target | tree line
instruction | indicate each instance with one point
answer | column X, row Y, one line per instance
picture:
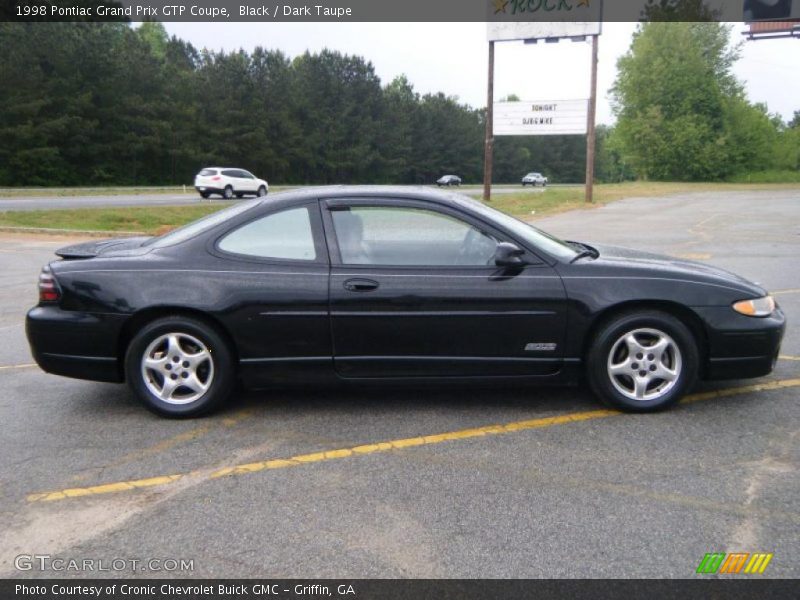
column 109, row 104
column 106, row 103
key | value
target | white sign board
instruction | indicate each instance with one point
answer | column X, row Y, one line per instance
column 502, row 31
column 549, row 117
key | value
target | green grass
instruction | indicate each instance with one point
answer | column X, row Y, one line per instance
column 525, row 204
column 768, row 177
column 146, row 219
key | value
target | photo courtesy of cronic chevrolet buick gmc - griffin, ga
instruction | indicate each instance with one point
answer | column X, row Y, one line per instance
column 359, row 284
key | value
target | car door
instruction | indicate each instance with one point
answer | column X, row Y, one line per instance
column 248, row 181
column 276, row 265
column 414, row 292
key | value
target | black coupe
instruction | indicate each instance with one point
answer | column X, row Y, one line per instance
column 387, row 285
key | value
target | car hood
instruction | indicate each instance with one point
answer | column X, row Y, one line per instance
column 131, row 246
column 659, row 265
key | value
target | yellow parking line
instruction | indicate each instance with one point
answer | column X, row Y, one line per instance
column 785, row 292
column 787, row 357
column 303, row 459
column 25, row 366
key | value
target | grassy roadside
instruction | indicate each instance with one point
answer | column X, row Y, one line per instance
column 523, row 204
column 145, row 219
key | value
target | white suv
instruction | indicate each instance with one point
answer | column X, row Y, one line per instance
column 229, row 182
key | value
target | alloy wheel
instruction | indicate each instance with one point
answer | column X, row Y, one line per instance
column 644, row 364
column 177, row 368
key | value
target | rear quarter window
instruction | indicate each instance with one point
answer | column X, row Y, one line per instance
column 208, row 172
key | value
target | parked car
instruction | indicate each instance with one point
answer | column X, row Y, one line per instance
column 534, row 179
column 229, row 182
column 448, row 180
column 356, row 284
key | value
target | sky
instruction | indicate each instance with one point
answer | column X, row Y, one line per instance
column 453, row 58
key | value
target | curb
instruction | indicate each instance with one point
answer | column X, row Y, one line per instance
column 76, row 232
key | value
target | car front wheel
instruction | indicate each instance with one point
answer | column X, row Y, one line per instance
column 642, row 361
column 179, row 367
column 262, row 191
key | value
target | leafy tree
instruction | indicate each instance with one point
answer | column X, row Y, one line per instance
column 681, row 113
column 679, row 10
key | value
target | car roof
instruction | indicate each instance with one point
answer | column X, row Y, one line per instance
column 407, row 192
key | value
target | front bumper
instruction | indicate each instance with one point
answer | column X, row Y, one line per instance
column 75, row 344
column 741, row 347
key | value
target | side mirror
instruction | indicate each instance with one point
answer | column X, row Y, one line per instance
column 508, row 255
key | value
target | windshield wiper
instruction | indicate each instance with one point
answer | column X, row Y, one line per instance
column 585, row 252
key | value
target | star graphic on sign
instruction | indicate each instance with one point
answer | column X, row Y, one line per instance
column 500, row 5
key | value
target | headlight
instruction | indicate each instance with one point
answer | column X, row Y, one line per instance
column 760, row 307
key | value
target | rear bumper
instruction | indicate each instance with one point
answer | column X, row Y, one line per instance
column 75, row 344
column 205, row 189
column 741, row 347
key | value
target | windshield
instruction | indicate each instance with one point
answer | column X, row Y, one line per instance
column 204, row 224
column 528, row 233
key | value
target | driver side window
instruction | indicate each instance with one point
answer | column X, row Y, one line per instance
column 405, row 236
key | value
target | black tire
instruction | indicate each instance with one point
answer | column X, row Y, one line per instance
column 205, row 195
column 222, row 381
column 608, row 339
column 240, row 195
column 262, row 191
column 227, row 193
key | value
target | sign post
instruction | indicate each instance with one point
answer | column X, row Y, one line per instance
column 591, row 125
column 545, row 118
column 488, row 149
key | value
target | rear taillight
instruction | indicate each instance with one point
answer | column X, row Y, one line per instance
column 217, row 178
column 48, row 286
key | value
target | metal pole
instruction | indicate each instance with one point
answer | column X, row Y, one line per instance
column 489, row 141
column 591, row 130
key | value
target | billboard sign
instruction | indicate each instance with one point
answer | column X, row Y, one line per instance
column 771, row 10
column 505, row 31
column 549, row 117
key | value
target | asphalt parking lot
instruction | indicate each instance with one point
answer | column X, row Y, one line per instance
column 530, row 482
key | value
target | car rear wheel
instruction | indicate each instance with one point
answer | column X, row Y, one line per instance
column 262, row 191
column 642, row 361
column 179, row 367
column 205, row 194
column 227, row 193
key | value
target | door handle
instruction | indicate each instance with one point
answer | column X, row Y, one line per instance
column 361, row 285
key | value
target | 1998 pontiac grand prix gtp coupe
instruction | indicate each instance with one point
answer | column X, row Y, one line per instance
column 385, row 285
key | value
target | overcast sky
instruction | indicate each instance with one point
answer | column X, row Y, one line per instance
column 452, row 58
